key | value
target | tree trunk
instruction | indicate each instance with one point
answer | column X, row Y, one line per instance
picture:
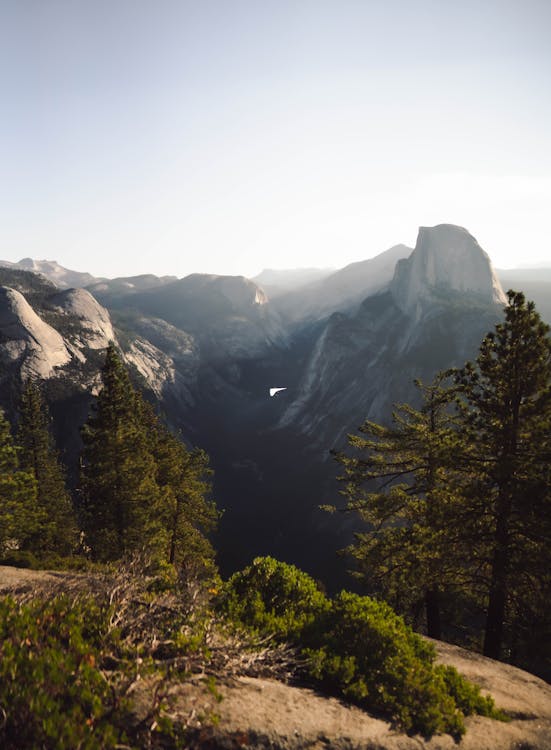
column 432, row 606
column 493, row 635
column 495, row 617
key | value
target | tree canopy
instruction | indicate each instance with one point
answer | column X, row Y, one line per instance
column 457, row 494
column 38, row 455
column 142, row 488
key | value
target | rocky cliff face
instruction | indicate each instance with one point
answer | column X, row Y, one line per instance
column 440, row 303
column 61, row 336
column 447, row 261
column 229, row 316
column 29, row 344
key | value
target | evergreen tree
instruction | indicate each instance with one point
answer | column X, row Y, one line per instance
column 20, row 516
column 121, row 498
column 58, row 531
column 507, row 423
column 399, row 480
column 188, row 515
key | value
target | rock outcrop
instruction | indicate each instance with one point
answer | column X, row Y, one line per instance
column 95, row 329
column 28, row 342
column 440, row 303
column 447, row 261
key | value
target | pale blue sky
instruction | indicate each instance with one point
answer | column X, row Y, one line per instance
column 226, row 136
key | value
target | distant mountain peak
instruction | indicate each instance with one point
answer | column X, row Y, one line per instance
column 446, row 260
column 60, row 276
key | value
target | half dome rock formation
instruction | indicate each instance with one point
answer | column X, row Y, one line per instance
column 95, row 328
column 28, row 341
column 447, row 260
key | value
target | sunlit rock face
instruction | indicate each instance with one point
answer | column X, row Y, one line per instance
column 95, row 330
column 28, row 341
column 159, row 372
column 447, row 260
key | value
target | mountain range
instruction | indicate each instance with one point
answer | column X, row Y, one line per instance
column 345, row 345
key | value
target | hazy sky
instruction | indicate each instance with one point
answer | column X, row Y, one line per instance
column 230, row 135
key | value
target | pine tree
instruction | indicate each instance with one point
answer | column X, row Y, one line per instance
column 400, row 481
column 20, row 516
column 58, row 530
column 121, row 498
column 507, row 423
column 188, row 515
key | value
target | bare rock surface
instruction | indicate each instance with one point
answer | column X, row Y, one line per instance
column 96, row 330
column 27, row 339
column 447, row 259
column 263, row 713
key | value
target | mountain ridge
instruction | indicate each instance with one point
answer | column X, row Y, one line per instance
column 207, row 348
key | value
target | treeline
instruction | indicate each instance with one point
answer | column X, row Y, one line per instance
column 140, row 488
column 456, row 497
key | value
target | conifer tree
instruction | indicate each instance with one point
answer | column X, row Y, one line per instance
column 20, row 516
column 58, row 531
column 400, row 481
column 121, row 498
column 187, row 514
column 507, row 424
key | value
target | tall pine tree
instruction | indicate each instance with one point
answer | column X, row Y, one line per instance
column 400, row 481
column 58, row 529
column 122, row 501
column 20, row 516
column 507, row 423
column 188, row 515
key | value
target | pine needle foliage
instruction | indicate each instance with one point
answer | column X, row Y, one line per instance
column 142, row 488
column 456, row 495
column 38, row 455
column 121, row 498
column 20, row 515
column 400, row 481
column 507, row 502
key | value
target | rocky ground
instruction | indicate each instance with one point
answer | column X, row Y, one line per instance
column 247, row 712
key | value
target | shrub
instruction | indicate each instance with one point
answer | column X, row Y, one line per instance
column 467, row 696
column 273, row 597
column 52, row 691
column 355, row 647
column 366, row 652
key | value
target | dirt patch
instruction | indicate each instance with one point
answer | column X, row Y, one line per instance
column 16, row 578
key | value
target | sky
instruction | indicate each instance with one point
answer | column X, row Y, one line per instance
column 227, row 136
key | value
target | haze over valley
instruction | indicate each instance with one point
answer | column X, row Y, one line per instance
column 346, row 345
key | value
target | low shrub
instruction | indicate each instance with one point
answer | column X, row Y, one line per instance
column 355, row 647
column 272, row 597
column 362, row 650
column 52, row 692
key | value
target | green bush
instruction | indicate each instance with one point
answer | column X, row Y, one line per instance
column 467, row 696
column 52, row 691
column 273, row 597
column 355, row 647
column 366, row 652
